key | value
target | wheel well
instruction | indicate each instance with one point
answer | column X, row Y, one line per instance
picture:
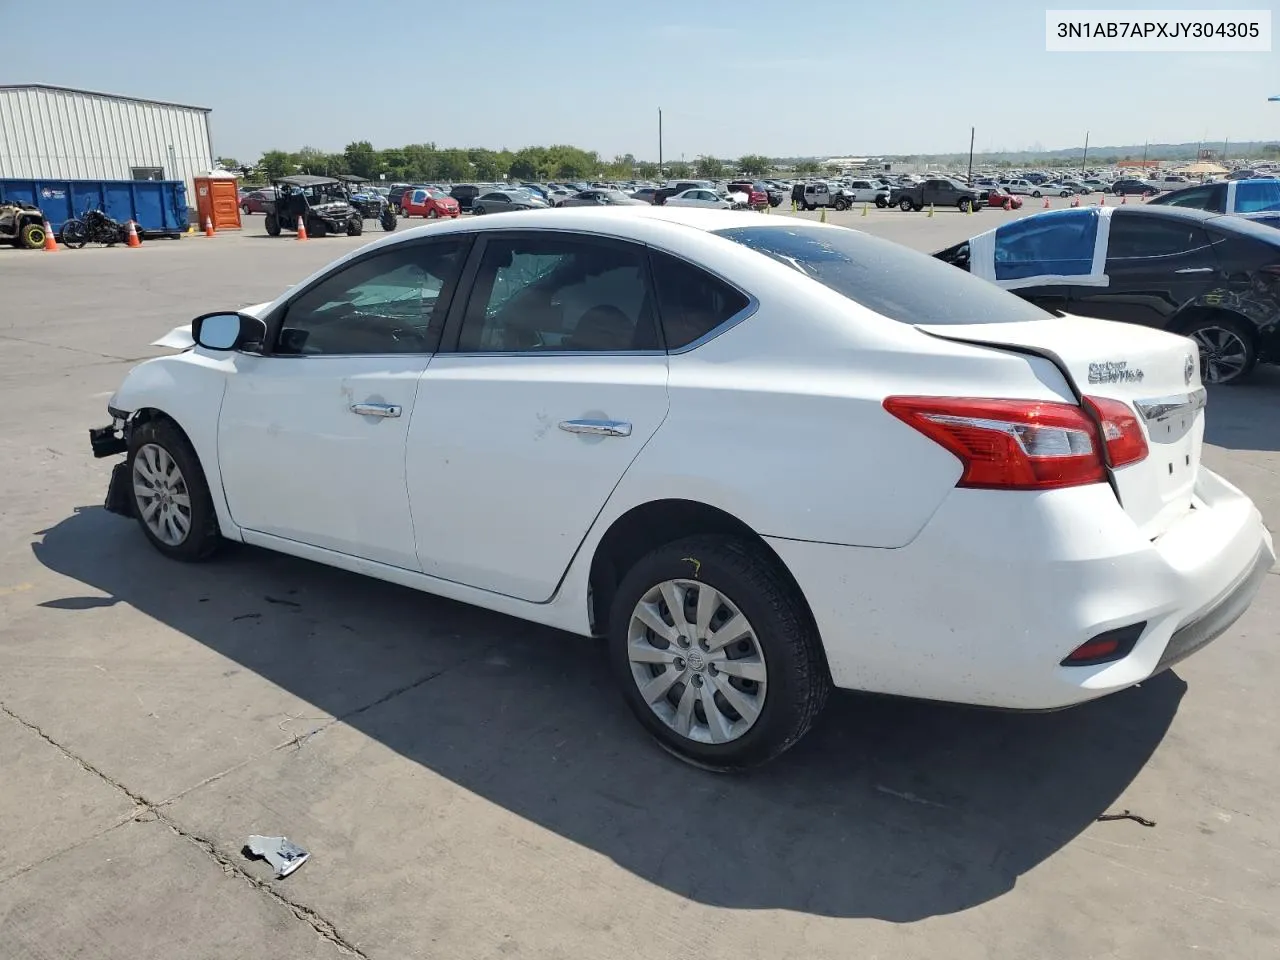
column 152, row 414
column 1193, row 315
column 649, row 526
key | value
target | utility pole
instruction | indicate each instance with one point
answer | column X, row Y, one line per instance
column 1084, row 161
column 659, row 142
column 1144, row 154
column 971, row 132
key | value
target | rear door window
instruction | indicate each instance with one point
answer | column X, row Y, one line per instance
column 1253, row 196
column 890, row 279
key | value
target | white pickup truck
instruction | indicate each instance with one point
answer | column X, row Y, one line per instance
column 864, row 191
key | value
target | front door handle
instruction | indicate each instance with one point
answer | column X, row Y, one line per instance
column 597, row 428
column 376, row 409
column 1195, row 270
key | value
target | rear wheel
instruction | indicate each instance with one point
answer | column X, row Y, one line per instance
column 1227, row 353
column 31, row 236
column 716, row 652
column 273, row 225
column 316, row 228
column 355, row 226
column 906, row 205
column 168, row 492
column 388, row 219
column 1036, row 194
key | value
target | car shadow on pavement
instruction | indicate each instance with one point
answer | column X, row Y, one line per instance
column 890, row 809
column 1246, row 417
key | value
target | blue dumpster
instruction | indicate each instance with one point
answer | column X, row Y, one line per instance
column 158, row 206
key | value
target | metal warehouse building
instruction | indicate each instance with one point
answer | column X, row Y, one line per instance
column 59, row 133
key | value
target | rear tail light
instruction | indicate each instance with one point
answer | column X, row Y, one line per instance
column 1121, row 431
column 1105, row 647
column 1025, row 444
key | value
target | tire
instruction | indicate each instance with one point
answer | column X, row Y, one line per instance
column 881, row 203
column 317, row 228
column 31, row 236
column 476, row 210
column 840, row 205
column 273, row 225
column 789, row 682
column 244, row 209
column 905, row 205
column 965, row 204
column 1035, row 194
column 355, row 227
column 73, row 234
column 151, row 443
column 1228, row 352
column 388, row 220
column 433, row 214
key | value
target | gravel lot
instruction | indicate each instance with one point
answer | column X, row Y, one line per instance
column 471, row 786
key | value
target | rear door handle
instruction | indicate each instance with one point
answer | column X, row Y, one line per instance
column 376, row 409
column 1195, row 270
column 597, row 428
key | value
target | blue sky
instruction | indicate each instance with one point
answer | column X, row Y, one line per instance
column 732, row 76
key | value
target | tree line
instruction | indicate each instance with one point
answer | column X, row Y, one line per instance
column 426, row 162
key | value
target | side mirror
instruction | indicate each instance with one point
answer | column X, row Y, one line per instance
column 227, row 331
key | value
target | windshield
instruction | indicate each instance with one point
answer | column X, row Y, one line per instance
column 890, row 279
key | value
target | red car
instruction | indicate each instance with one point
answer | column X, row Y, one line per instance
column 999, row 196
column 428, row 202
column 252, row 202
column 757, row 196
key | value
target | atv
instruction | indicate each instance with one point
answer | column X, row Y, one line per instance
column 21, row 225
column 321, row 203
column 371, row 204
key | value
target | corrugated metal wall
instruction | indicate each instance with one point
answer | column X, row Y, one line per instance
column 70, row 134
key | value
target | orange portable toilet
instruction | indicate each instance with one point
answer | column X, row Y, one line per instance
column 217, row 199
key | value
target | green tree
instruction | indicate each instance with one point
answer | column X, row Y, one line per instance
column 361, row 159
column 678, row 170
column 708, row 168
column 485, row 164
column 647, row 169
column 312, row 161
column 529, row 163
column 806, row 166
column 754, row 165
column 421, row 162
column 452, row 164
column 276, row 163
column 228, row 163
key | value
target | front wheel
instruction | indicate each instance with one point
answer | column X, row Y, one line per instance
column 841, row 205
column 74, row 234
column 388, row 219
column 433, row 213
column 355, row 226
column 716, row 652
column 317, row 228
column 1227, row 352
column 31, row 236
column 905, row 205
column 1035, row 194
column 169, row 495
column 881, row 203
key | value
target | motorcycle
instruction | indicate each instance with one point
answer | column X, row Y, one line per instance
column 94, row 226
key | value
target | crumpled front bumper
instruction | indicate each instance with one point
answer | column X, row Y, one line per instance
column 111, row 441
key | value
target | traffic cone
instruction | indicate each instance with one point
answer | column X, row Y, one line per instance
column 1008, row 203
column 302, row 229
column 823, row 218
column 133, row 235
column 1075, row 201
column 191, row 229
column 208, row 226
column 931, row 209
column 864, row 209
column 794, row 207
column 50, row 241
column 1124, row 199
column 1102, row 200
column 1046, row 203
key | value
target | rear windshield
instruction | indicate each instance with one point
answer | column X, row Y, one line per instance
column 890, row 279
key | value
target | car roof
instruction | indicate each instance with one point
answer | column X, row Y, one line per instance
column 304, row 181
column 352, row 178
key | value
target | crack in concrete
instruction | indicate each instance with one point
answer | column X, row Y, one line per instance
column 323, row 927
column 58, row 346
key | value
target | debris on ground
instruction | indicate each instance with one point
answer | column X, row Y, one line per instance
column 1126, row 815
column 282, row 854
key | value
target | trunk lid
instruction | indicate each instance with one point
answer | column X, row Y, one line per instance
column 1157, row 374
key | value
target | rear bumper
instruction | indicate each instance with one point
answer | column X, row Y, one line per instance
column 999, row 587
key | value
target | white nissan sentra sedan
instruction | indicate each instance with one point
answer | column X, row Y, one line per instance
column 760, row 457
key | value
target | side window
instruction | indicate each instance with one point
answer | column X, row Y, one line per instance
column 387, row 303
column 1253, row 196
column 1197, row 198
column 549, row 293
column 691, row 301
column 1134, row 238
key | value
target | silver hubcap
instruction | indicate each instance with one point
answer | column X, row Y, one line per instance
column 1222, row 354
column 164, row 503
column 696, row 661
